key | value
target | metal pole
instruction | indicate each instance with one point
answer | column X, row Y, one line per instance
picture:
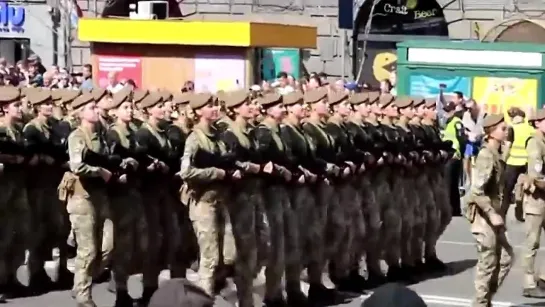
column 343, row 53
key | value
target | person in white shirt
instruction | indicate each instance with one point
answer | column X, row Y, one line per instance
column 473, row 123
column 113, row 84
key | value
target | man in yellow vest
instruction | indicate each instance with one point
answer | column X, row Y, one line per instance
column 454, row 132
column 517, row 158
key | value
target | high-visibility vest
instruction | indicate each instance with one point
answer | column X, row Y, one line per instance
column 449, row 134
column 518, row 156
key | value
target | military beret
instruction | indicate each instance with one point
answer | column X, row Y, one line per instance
column 181, row 98
column 82, row 100
column 220, row 95
column 403, row 102
column 418, row 101
column 56, row 95
column 293, row 98
column 337, row 97
column 120, row 97
column 167, row 96
column 199, row 100
column 431, row 103
column 270, row 100
column 385, row 100
column 98, row 93
column 151, row 100
column 315, row 95
column 359, row 98
column 236, row 98
column 138, row 95
column 26, row 90
column 539, row 115
column 70, row 95
column 492, row 120
column 39, row 97
column 9, row 94
column 373, row 97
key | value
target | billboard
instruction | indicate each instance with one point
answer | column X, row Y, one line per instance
column 429, row 85
column 127, row 67
column 214, row 73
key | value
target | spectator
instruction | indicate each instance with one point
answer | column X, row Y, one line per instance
column 393, row 82
column 189, row 87
column 385, row 86
column 113, row 84
column 314, row 82
column 37, row 61
column 34, row 77
column 87, row 75
column 4, row 67
column 472, row 120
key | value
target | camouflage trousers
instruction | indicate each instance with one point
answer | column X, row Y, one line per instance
column 130, row 234
column 393, row 209
column 495, row 258
column 14, row 231
column 317, row 223
column 414, row 205
column 373, row 222
column 442, row 201
column 277, row 201
column 432, row 215
column 212, row 225
column 93, row 230
column 534, row 226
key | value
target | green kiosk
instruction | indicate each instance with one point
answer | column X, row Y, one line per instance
column 497, row 75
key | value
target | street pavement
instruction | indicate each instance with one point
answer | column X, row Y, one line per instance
column 456, row 248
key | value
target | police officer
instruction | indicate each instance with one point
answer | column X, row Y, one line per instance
column 88, row 204
column 486, row 217
column 517, row 158
column 454, row 132
column 534, row 204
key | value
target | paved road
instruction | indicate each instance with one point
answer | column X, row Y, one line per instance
column 456, row 248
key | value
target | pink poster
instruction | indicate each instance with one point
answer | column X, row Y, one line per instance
column 127, row 67
column 214, row 73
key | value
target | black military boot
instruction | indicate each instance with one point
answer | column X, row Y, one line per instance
column 394, row 273
column 354, row 282
column 435, row 264
column 123, row 299
column 146, row 296
column 14, row 289
column 65, row 279
column 3, row 296
column 319, row 295
column 375, row 279
column 275, row 302
column 296, row 298
column 40, row 283
column 536, row 292
column 519, row 212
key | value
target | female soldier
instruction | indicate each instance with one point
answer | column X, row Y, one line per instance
column 206, row 193
column 486, row 217
column 272, row 152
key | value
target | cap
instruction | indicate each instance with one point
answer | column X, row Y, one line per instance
column 270, row 100
column 385, row 100
column 236, row 98
column 394, row 295
column 492, row 120
column 449, row 106
column 336, row 97
column 151, row 100
column 9, row 94
column 315, row 95
column 70, row 95
column 403, row 102
column 39, row 97
column 167, row 96
column 82, row 100
column 539, row 115
column 418, row 101
column 179, row 292
column 98, row 93
column 430, row 103
column 359, row 98
column 120, row 97
column 293, row 98
column 373, row 97
column 181, row 98
column 139, row 94
column 199, row 100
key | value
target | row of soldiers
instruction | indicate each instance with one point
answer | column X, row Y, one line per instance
column 287, row 183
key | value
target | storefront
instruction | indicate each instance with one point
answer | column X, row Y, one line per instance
column 27, row 29
column 391, row 23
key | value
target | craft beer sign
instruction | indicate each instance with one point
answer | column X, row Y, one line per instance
column 12, row 17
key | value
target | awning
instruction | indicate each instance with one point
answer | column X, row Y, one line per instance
column 198, row 33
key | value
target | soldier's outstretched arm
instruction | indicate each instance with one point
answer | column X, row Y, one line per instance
column 76, row 152
column 188, row 171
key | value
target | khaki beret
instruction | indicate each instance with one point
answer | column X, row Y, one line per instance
column 180, row 98
column 82, row 100
column 293, row 98
column 9, row 94
column 220, row 95
column 359, row 98
column 138, row 95
column 26, row 90
column 236, row 98
column 337, row 97
column 418, row 101
column 167, row 96
column 120, row 97
column 430, row 103
column 98, row 93
column 315, row 95
column 151, row 100
column 385, row 100
column 70, row 95
column 539, row 115
column 199, row 100
column 373, row 97
column 39, row 97
column 56, row 95
column 403, row 102
column 492, row 120
column 270, row 100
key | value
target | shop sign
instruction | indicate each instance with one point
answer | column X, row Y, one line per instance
column 415, row 14
column 12, row 17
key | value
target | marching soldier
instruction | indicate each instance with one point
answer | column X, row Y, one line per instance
column 534, row 206
column 483, row 210
column 88, row 204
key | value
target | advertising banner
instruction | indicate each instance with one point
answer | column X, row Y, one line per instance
column 127, row 67
column 429, row 85
column 276, row 60
column 497, row 95
column 214, row 73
